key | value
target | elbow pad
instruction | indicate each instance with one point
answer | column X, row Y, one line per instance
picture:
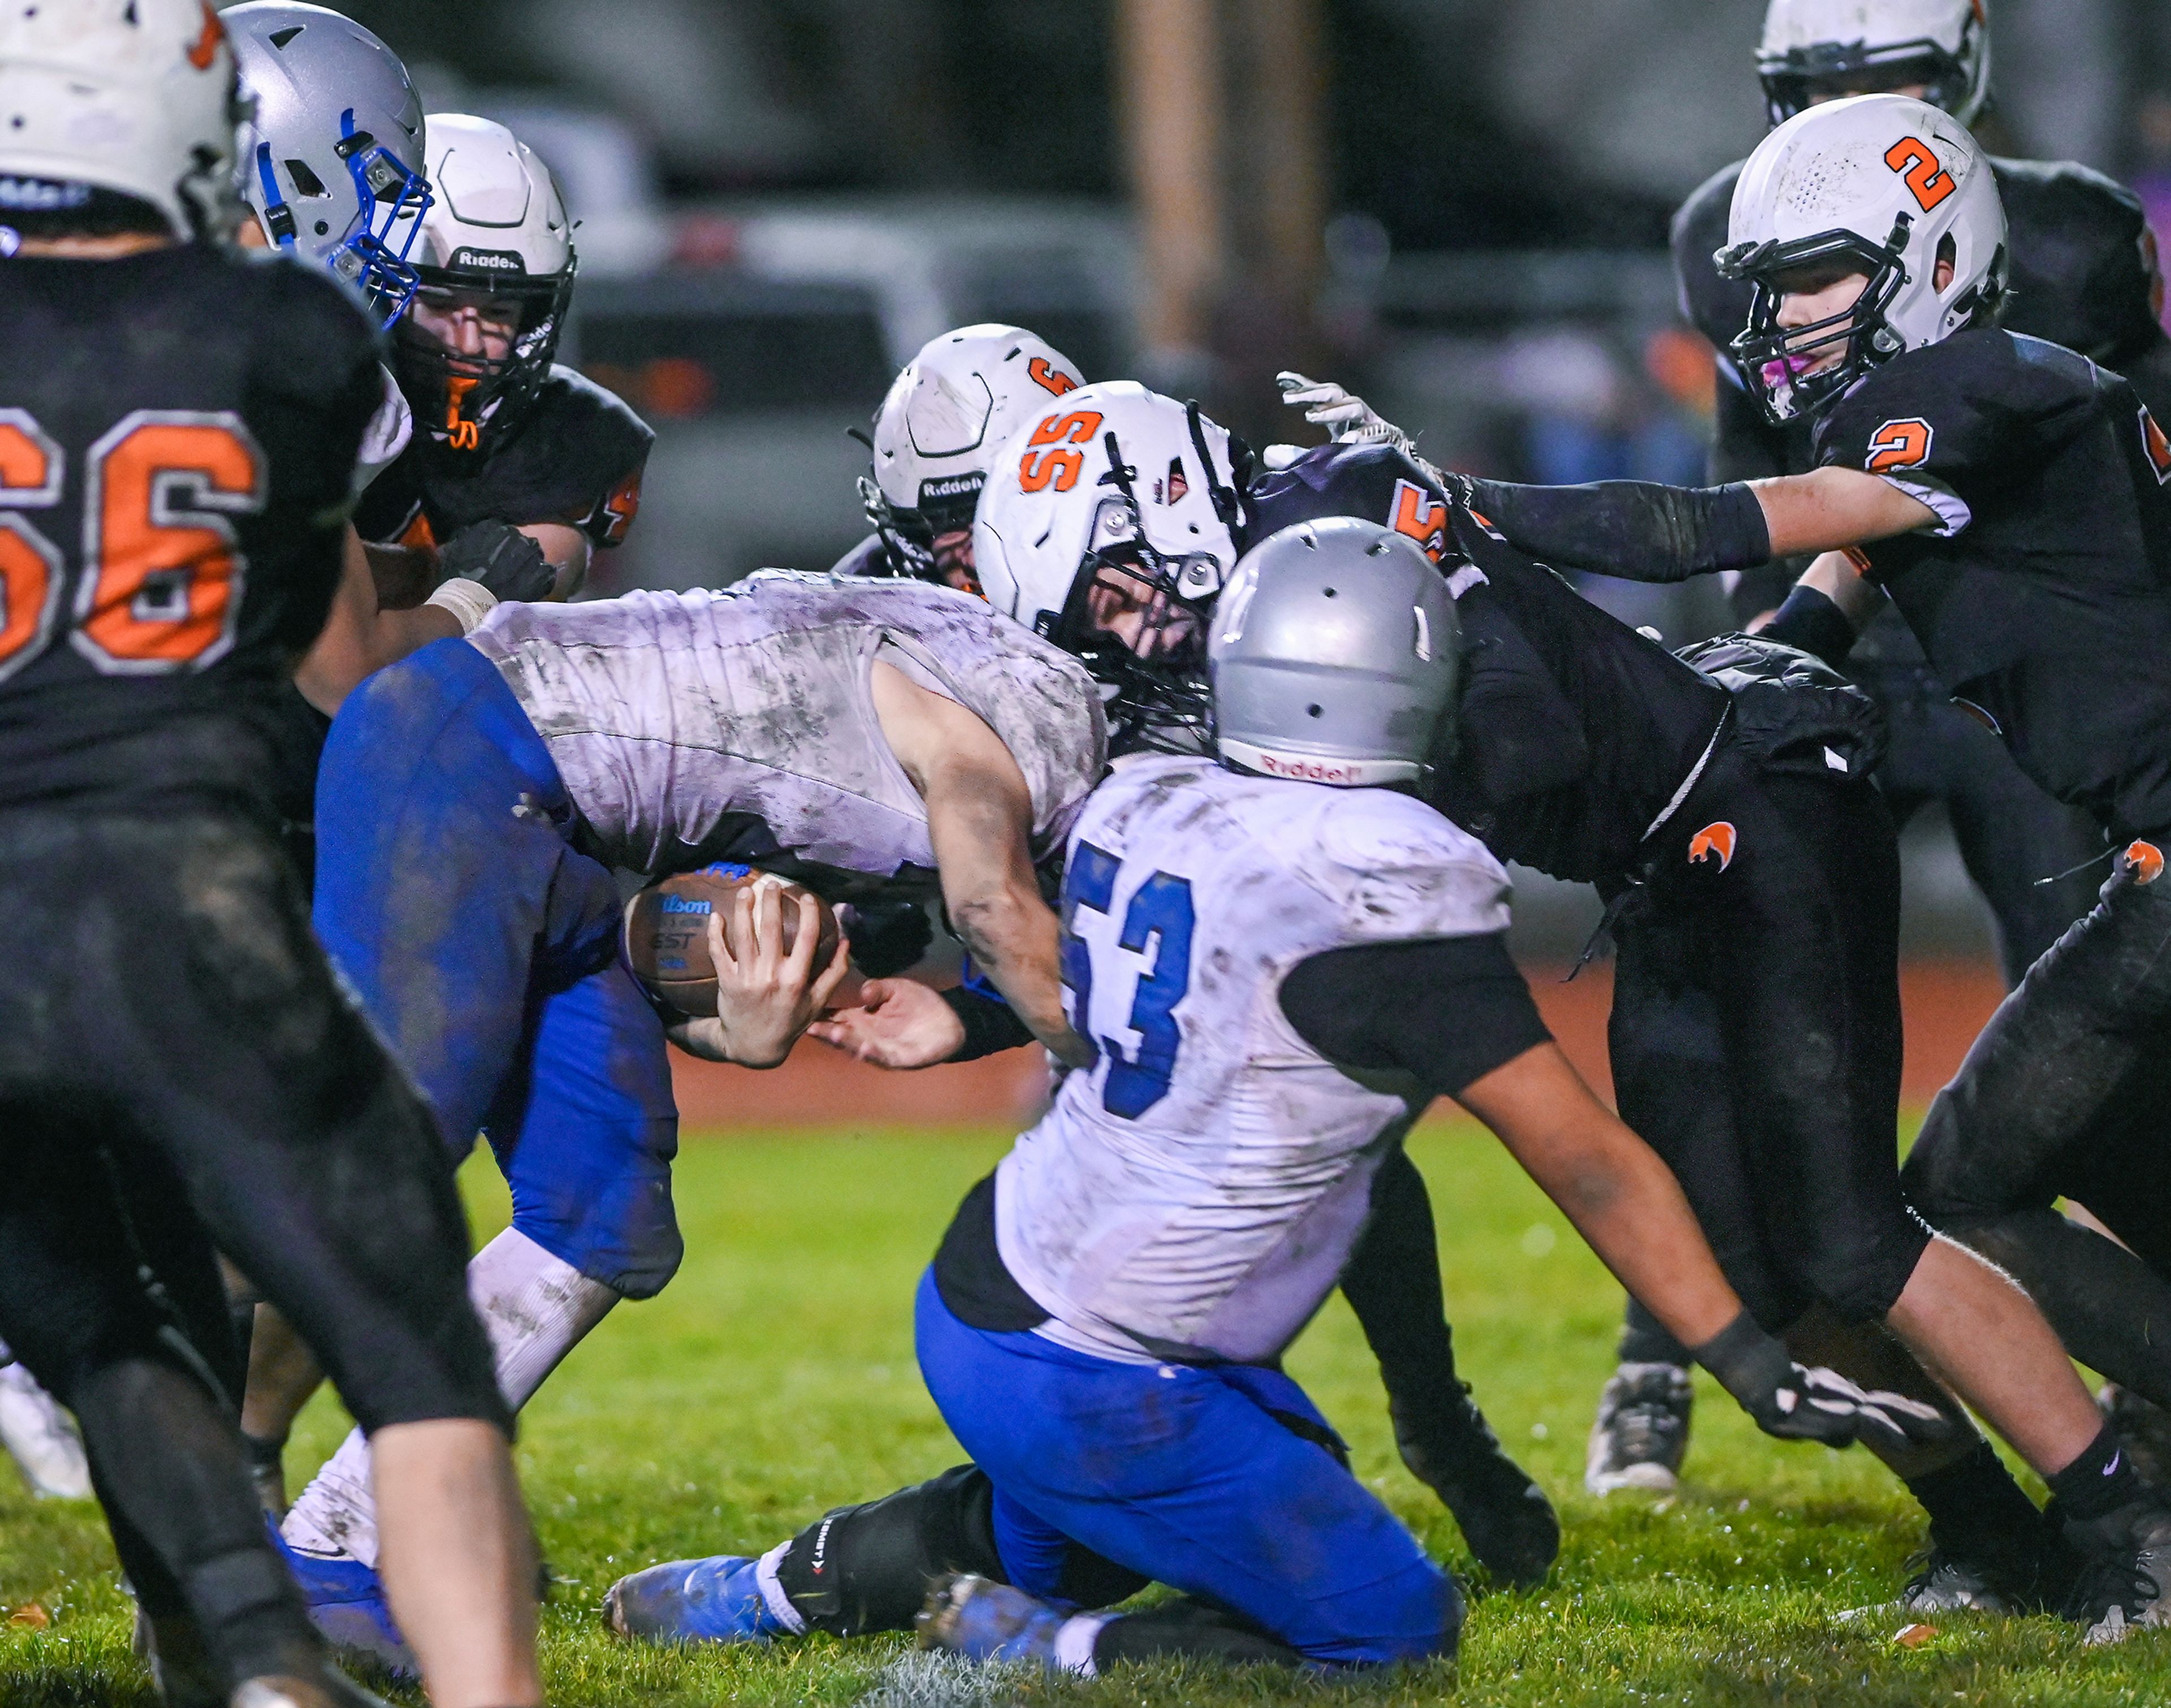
column 1635, row 529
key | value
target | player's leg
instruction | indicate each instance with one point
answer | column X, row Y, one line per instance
column 1393, row 1284
column 855, row 1571
column 1668, row 1058
column 586, row 1135
column 1224, row 1483
column 318, row 1171
column 168, row 1467
column 1808, row 919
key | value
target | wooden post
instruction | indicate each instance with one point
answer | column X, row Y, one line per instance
column 1169, row 64
column 1281, row 161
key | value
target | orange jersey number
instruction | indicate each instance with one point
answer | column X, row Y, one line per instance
column 29, row 563
column 1912, row 159
column 164, row 582
column 1900, row 444
column 1422, row 517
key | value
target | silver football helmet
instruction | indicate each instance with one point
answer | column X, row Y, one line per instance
column 1335, row 658
column 332, row 162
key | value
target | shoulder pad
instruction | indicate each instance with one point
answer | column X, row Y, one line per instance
column 1402, row 869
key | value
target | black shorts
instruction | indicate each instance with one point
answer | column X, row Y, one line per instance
column 2064, row 1093
column 171, row 1032
column 1755, row 1034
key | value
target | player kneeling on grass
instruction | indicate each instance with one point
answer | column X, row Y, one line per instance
column 1284, row 957
column 862, row 737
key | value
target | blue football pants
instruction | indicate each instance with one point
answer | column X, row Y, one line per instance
column 484, row 947
column 1216, row 1480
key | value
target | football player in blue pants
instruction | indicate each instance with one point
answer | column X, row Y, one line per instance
column 475, row 801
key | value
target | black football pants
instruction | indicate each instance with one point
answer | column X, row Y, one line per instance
column 2011, row 835
column 178, row 1069
column 2064, row 1094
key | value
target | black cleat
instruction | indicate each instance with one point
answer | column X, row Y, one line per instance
column 1505, row 1517
column 2125, row 1559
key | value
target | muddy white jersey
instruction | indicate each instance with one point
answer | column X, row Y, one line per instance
column 1197, row 1192
column 740, row 724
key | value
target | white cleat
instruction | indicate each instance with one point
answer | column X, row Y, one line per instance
column 1642, row 1431
column 42, row 1438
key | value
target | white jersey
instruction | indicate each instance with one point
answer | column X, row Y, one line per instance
column 740, row 724
column 1196, row 1193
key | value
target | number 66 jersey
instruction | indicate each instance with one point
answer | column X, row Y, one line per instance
column 1195, row 1194
column 177, row 439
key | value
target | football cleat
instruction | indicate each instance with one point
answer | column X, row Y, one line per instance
column 716, row 1600
column 1641, row 1434
column 347, row 1604
column 982, row 1621
column 2125, row 1561
column 328, row 1689
column 41, row 1437
column 2144, row 1427
column 1505, row 1517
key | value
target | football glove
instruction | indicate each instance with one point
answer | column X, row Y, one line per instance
column 1348, row 419
column 501, row 559
column 1796, row 1404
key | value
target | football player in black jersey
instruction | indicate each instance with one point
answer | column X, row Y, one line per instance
column 2083, row 274
column 179, row 432
column 514, row 458
column 2009, row 496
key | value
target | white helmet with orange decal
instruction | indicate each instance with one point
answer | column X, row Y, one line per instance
column 1883, row 185
column 118, row 98
column 1108, row 524
column 937, row 431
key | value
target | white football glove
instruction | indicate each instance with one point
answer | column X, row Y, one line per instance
column 1348, row 419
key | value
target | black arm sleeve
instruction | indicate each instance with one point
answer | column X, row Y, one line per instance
column 1635, row 529
column 1810, row 620
column 989, row 1025
column 1449, row 1010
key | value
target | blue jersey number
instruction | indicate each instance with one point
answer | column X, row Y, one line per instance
column 1160, row 910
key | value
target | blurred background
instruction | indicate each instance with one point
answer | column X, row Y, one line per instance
column 1456, row 207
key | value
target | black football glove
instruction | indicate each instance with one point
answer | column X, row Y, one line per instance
column 1796, row 1404
column 501, row 558
column 888, row 934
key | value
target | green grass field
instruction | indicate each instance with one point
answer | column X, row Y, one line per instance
column 776, row 1377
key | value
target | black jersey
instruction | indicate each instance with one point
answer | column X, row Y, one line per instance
column 2084, row 274
column 179, row 432
column 1576, row 732
column 576, row 457
column 2043, row 591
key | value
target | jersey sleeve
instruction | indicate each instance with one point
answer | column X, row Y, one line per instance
column 1398, row 869
column 1449, row 1011
column 1945, row 423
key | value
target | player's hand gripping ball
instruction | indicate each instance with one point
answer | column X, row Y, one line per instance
column 666, row 932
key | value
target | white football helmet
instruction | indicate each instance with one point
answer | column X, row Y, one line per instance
column 947, row 415
column 1816, row 50
column 332, row 157
column 495, row 228
column 1108, row 524
column 1882, row 184
column 132, row 97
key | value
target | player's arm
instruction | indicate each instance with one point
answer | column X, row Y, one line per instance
column 1455, row 1013
column 357, row 639
column 566, row 552
column 1641, row 530
column 979, row 819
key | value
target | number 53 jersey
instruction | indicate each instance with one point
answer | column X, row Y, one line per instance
column 1195, row 1194
column 179, row 431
